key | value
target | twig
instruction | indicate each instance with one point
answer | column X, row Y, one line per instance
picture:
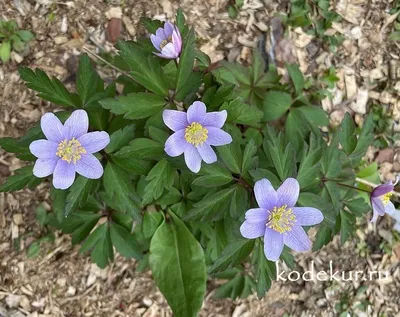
column 362, row 181
column 84, row 48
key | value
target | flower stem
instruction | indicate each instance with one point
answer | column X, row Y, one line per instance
column 356, row 188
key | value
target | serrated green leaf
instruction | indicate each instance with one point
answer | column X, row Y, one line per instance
column 174, row 252
column 248, row 155
column 186, row 60
column 275, row 104
column 49, row 89
column 120, row 138
column 213, row 175
column 151, row 221
column 161, row 176
column 239, row 202
column 12, row 145
column 233, row 254
column 79, row 193
column 5, row 51
column 142, row 148
column 135, row 106
column 119, row 187
column 323, row 237
column 241, row 113
column 94, row 238
column 347, row 136
column 25, row 35
column 264, row 270
column 22, row 178
column 88, row 82
column 296, row 77
column 124, row 242
column 151, row 25
column 103, row 252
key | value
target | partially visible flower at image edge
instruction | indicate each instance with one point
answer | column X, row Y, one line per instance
column 195, row 132
column 68, row 149
column 167, row 41
column 278, row 220
column 380, row 200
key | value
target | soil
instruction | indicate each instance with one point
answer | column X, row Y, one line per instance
column 61, row 282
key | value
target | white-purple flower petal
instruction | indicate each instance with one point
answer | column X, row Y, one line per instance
column 44, row 167
column 218, row 137
column 256, row 215
column 252, row 230
column 288, row 192
column 297, row 239
column 94, row 142
column 89, row 166
column 192, row 158
column 215, row 119
column 175, row 120
column 176, row 144
column 273, row 244
column 167, row 41
column 196, row 112
column 77, row 124
column 207, row 153
column 307, row 216
column 44, row 149
column 265, row 194
column 63, row 175
column 52, row 127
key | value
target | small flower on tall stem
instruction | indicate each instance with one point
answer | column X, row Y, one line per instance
column 68, row 149
column 278, row 220
column 380, row 200
column 167, row 41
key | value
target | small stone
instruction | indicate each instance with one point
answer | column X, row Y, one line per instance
column 147, row 302
column 71, row 291
column 64, row 24
column 18, row 219
column 356, row 33
column 62, row 282
column 114, row 12
column 91, row 279
column 13, row 301
column 130, row 28
column 60, row 40
column 25, row 304
column 39, row 303
column 16, row 57
column 360, row 106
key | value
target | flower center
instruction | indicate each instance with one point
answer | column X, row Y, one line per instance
column 386, row 198
column 165, row 42
column 196, row 134
column 70, row 151
column 281, row 219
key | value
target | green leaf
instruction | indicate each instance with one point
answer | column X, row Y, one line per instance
column 5, row 51
column 231, row 155
column 309, row 168
column 213, row 175
column 151, row 25
column 103, row 252
column 234, row 254
column 248, row 155
column 239, row 202
column 264, row 271
column 323, row 237
column 161, row 176
column 120, row 138
column 22, row 178
column 49, row 89
column 33, row 250
column 25, row 35
column 394, row 36
column 151, row 221
column 297, row 77
column 241, row 113
column 275, row 104
column 87, row 79
column 119, row 187
column 181, row 22
column 347, row 225
column 145, row 68
column 174, row 253
column 135, row 106
column 315, row 115
column 59, row 198
column 94, row 238
column 364, row 140
column 213, row 206
column 41, row 215
column 347, row 136
column 171, row 197
column 79, row 193
column 142, row 149
column 186, row 60
column 124, row 242
column 12, row 145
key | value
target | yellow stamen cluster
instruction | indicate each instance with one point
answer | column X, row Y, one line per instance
column 386, row 198
column 196, row 134
column 70, row 151
column 165, row 42
column 281, row 219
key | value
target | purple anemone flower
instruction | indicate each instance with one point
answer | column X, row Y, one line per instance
column 380, row 200
column 278, row 220
column 195, row 132
column 68, row 149
column 167, row 41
